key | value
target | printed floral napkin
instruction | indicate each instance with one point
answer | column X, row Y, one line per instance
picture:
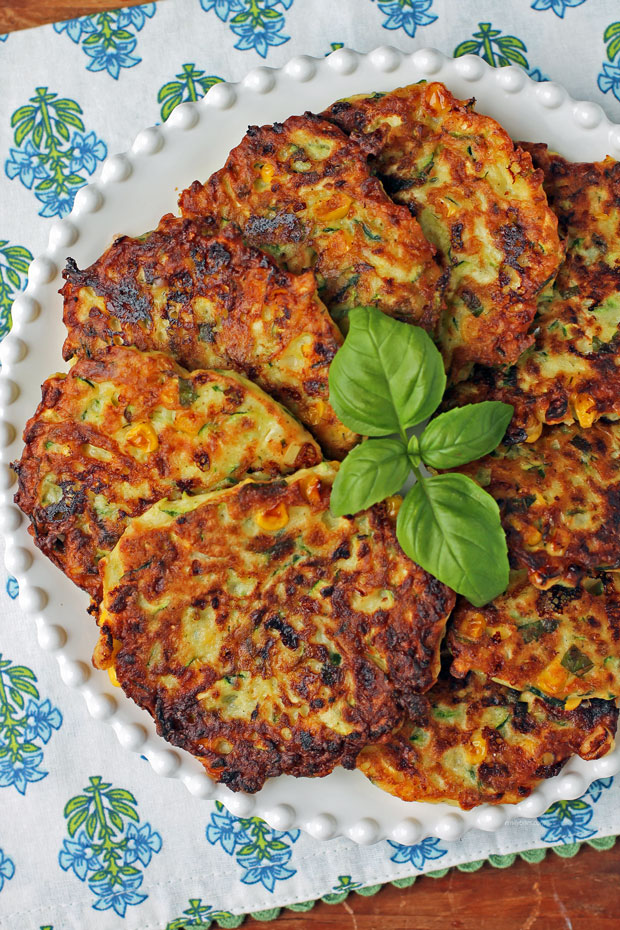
column 89, row 835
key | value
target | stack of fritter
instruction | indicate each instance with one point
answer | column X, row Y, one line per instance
column 262, row 633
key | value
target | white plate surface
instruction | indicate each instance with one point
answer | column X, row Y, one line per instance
column 130, row 195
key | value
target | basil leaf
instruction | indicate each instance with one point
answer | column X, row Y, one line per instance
column 465, row 433
column 451, row 527
column 386, row 377
column 371, row 472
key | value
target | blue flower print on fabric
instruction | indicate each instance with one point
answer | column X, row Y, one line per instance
column 609, row 78
column 7, row 869
column 87, row 151
column 419, row 853
column 406, row 14
column 106, row 845
column 26, row 724
column 569, row 821
column 53, row 151
column 262, row 853
column 26, row 165
column 142, row 842
column 4, row 37
column 258, row 24
column 109, row 39
column 12, row 587
column 79, row 855
column 597, row 787
column 41, row 719
column 559, row 7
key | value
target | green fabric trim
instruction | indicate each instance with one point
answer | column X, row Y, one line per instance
column 404, row 882
column 302, row 907
column 532, row 856
column 502, row 862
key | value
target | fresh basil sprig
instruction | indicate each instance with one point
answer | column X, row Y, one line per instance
column 387, row 377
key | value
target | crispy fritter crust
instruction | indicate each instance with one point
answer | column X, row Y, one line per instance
column 263, row 634
column 479, row 201
column 126, row 428
column 211, row 302
column 475, row 742
column 559, row 500
column 563, row 642
column 572, row 372
column 303, row 191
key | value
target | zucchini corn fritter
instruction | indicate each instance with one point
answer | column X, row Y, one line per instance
column 476, row 742
column 559, row 500
column 263, row 634
column 302, row 191
column 211, row 302
column 572, row 372
column 561, row 643
column 478, row 200
column 126, row 428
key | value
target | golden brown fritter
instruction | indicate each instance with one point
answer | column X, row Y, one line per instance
column 559, row 500
column 572, row 372
column 475, row 742
column 263, row 634
column 126, row 428
column 563, row 642
column 478, row 200
column 302, row 191
column 211, row 302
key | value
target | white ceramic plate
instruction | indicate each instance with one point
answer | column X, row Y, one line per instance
column 131, row 194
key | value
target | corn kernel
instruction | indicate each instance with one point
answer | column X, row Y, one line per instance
column 273, row 519
column 541, row 582
column 553, row 679
column 436, row 100
column 533, row 431
column 187, row 423
column 311, row 489
column 531, row 535
column 267, row 172
column 113, row 677
column 393, row 505
column 473, row 627
column 585, row 409
column 529, row 745
column 596, row 744
column 449, row 208
column 477, row 749
column 327, row 213
column 559, row 543
column 143, row 437
column 572, row 703
column 315, row 415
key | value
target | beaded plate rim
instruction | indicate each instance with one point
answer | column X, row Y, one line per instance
column 343, row 803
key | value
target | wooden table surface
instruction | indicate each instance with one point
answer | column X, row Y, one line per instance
column 558, row 894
